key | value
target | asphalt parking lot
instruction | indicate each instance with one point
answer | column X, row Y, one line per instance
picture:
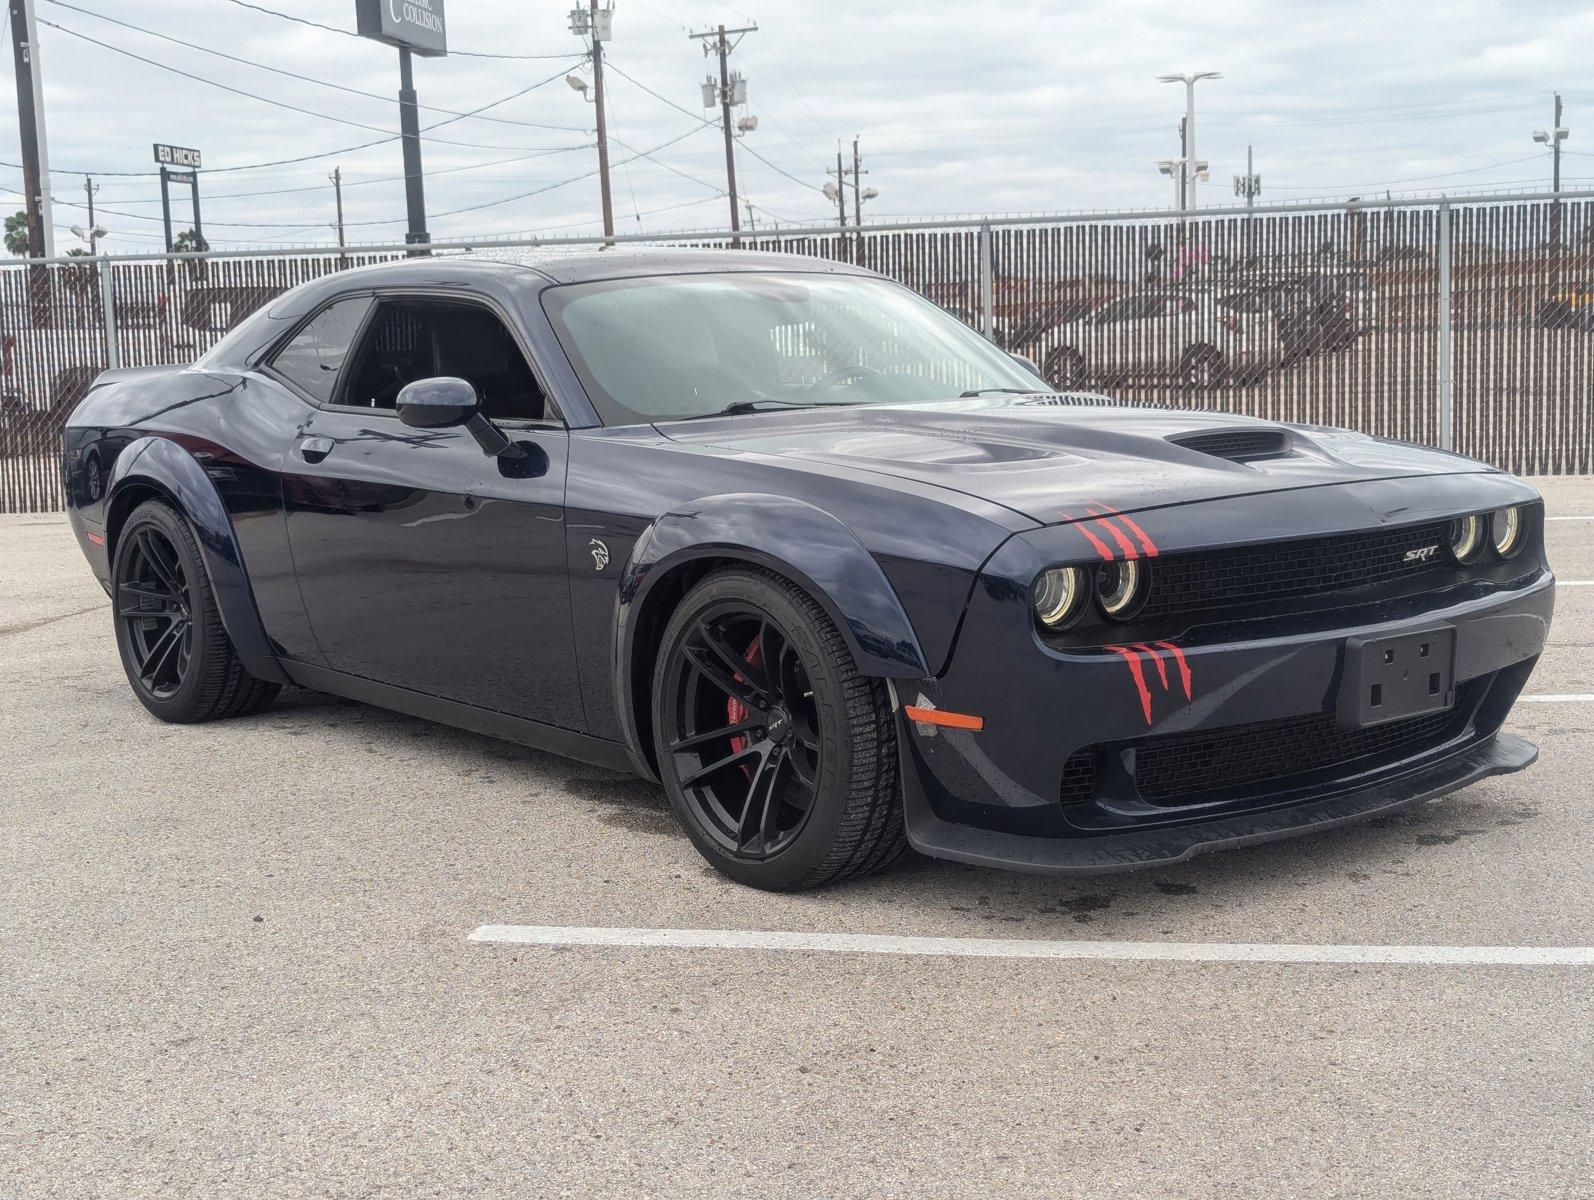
column 234, row 961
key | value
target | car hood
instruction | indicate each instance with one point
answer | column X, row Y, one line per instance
column 1045, row 457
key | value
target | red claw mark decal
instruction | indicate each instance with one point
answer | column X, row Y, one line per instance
column 1147, row 546
column 1162, row 670
column 1101, row 546
column 1132, row 654
column 1184, row 667
column 1124, row 543
column 1132, row 657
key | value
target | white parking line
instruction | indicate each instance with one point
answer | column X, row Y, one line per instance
column 1558, row 698
column 1588, row 518
column 1574, row 583
column 961, row 947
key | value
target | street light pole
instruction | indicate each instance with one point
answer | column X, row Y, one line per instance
column 1553, row 137
column 1187, row 141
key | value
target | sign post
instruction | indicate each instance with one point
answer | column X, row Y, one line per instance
column 415, row 27
column 179, row 164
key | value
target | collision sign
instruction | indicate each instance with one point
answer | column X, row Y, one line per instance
column 415, row 25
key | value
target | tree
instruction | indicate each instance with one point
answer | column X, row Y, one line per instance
column 187, row 242
column 17, row 233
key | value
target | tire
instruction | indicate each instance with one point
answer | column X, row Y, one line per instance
column 813, row 735
column 1065, row 369
column 1203, row 369
column 178, row 658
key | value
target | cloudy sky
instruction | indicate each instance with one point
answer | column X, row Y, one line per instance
column 962, row 108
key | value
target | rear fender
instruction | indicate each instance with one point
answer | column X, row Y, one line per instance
column 161, row 465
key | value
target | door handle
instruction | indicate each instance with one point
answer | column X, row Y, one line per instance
column 314, row 449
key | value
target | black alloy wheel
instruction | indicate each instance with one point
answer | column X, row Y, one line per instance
column 779, row 758
column 745, row 739
column 154, row 603
column 177, row 655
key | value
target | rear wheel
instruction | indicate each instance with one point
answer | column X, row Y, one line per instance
column 778, row 756
column 178, row 658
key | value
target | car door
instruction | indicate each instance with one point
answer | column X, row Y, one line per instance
column 423, row 562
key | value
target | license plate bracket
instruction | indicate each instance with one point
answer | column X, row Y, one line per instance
column 1391, row 676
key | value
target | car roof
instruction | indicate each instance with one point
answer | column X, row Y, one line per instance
column 579, row 264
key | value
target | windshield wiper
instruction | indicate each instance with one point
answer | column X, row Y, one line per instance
column 972, row 392
column 742, row 407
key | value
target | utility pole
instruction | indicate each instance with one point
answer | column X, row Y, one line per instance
column 731, row 91
column 597, row 26
column 89, row 188
column 1553, row 137
column 410, row 131
column 337, row 192
column 30, row 122
column 1184, row 165
column 857, row 184
column 841, row 191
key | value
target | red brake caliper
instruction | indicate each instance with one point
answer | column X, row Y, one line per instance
column 736, row 711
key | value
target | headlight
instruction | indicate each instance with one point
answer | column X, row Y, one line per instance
column 1505, row 530
column 1466, row 538
column 1060, row 597
column 1119, row 590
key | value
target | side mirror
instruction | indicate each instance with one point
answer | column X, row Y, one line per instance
column 1025, row 363
column 437, row 403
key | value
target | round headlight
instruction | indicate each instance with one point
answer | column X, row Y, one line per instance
column 1060, row 597
column 1506, row 528
column 1466, row 538
column 1119, row 590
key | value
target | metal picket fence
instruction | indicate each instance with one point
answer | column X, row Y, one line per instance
column 1463, row 324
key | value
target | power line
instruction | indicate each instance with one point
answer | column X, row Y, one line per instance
column 682, row 108
column 271, row 12
column 347, row 183
column 280, row 103
column 248, row 62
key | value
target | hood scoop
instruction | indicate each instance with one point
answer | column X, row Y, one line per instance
column 1237, row 445
column 1074, row 400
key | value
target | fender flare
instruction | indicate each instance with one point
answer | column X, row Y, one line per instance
column 794, row 539
column 166, row 467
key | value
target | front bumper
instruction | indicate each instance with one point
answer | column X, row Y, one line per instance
column 1499, row 754
column 1002, row 796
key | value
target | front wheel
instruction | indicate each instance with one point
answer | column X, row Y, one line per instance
column 777, row 755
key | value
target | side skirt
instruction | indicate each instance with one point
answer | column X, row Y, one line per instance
column 599, row 752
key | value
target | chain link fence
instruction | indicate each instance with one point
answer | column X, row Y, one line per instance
column 1466, row 325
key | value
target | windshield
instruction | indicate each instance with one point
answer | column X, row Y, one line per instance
column 674, row 346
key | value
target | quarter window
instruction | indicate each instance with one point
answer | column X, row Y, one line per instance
column 315, row 355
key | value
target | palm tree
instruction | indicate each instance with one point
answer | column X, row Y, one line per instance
column 16, row 233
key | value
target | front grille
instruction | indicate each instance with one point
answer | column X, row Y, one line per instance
column 1185, row 583
column 1079, row 776
column 1188, row 765
column 1237, row 445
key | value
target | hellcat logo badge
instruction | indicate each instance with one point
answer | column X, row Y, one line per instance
column 600, row 554
column 1422, row 554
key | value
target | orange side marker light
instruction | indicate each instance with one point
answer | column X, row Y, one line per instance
column 940, row 716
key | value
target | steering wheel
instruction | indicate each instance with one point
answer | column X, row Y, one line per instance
column 843, row 375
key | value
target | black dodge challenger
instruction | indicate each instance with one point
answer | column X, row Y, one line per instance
column 840, row 574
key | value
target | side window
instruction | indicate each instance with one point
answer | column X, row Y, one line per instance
column 419, row 339
column 316, row 354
